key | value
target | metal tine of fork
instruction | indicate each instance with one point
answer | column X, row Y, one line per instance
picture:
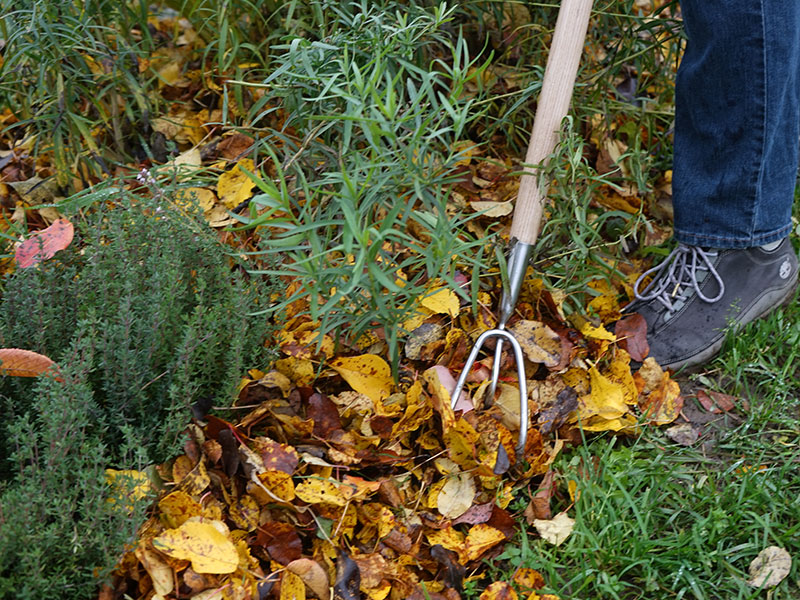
column 501, row 334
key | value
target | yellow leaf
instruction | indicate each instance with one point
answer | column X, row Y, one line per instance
column 127, row 486
column 606, row 398
column 178, row 507
column 555, row 530
column 368, row 374
column 202, row 197
column 540, row 343
column 160, row 572
column 442, row 301
column 448, row 538
column 208, row 549
column 245, row 513
column 456, row 495
column 292, row 587
column 589, row 330
column 480, row 538
column 499, row 590
column 279, row 483
column 323, row 491
column 492, row 209
column 234, row 186
column 218, row 217
column 299, row 370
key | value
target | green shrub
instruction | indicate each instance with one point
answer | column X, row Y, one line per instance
column 147, row 314
column 60, row 527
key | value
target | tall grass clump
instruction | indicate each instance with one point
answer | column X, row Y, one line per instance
column 353, row 201
column 70, row 74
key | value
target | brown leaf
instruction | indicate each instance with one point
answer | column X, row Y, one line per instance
column 499, row 590
column 503, row 522
column 453, row 571
column 312, row 574
column 281, row 541
column 325, row 415
column 279, row 457
column 631, row 333
column 716, row 402
column 44, row 244
column 555, row 416
column 24, row 363
column 479, row 513
column 235, row 146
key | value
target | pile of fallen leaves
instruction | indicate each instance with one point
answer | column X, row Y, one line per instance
column 335, row 481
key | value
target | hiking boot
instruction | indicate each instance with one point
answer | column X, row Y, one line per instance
column 696, row 295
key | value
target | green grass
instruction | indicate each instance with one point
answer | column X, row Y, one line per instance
column 655, row 520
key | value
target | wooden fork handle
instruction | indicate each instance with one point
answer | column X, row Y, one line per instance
column 554, row 100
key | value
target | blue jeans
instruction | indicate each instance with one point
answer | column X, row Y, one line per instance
column 737, row 122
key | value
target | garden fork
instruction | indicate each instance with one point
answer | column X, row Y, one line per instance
column 554, row 99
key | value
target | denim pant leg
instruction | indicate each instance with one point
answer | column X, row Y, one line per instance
column 737, row 122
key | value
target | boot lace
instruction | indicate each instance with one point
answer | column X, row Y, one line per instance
column 680, row 274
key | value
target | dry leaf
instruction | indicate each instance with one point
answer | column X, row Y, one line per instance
column 292, row 587
column 556, row 530
column 234, row 186
column 368, row 374
column 442, row 301
column 480, row 538
column 160, row 572
column 44, row 244
column 204, row 544
column 631, row 333
column 540, row 343
column 456, row 495
column 499, row 590
column 16, row 362
column 770, row 567
column 312, row 574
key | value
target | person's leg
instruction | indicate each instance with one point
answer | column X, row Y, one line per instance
column 737, row 122
column 737, row 136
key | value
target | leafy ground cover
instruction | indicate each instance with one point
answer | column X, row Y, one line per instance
column 363, row 156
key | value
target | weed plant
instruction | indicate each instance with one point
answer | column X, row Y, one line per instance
column 70, row 72
column 354, row 201
column 656, row 521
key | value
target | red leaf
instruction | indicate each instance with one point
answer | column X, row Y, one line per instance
column 632, row 334
column 44, row 244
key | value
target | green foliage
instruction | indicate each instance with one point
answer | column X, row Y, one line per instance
column 70, row 72
column 356, row 205
column 171, row 313
column 61, row 526
column 146, row 314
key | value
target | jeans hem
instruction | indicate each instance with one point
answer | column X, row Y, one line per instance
column 725, row 241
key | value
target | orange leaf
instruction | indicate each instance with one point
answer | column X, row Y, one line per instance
column 23, row 363
column 44, row 244
column 499, row 590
